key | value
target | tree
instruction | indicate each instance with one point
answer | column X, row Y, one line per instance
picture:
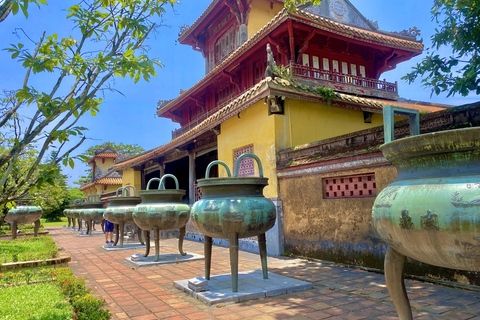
column 291, row 4
column 460, row 29
column 126, row 150
column 14, row 5
column 108, row 41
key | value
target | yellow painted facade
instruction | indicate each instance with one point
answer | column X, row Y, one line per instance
column 303, row 122
column 251, row 126
column 103, row 166
column 306, row 122
column 260, row 14
column 133, row 178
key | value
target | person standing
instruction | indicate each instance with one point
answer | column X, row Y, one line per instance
column 108, row 233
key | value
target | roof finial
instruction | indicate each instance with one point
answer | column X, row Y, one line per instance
column 269, row 71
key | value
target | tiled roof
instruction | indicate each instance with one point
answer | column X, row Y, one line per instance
column 200, row 19
column 110, row 178
column 106, row 155
column 391, row 40
column 257, row 93
column 306, row 17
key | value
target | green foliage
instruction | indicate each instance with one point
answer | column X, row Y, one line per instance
column 29, row 228
column 283, row 72
column 72, row 292
column 36, row 301
column 108, row 40
column 89, row 307
column 327, row 94
column 27, row 249
column 459, row 27
column 17, row 5
column 291, row 4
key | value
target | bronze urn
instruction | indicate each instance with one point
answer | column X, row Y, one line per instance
column 120, row 211
column 431, row 212
column 161, row 210
column 233, row 208
column 24, row 214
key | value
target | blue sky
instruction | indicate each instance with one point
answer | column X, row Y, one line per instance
column 130, row 118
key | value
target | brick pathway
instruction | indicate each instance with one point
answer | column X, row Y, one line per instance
column 338, row 292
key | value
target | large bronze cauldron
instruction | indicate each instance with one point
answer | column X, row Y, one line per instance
column 68, row 213
column 92, row 211
column 161, row 210
column 233, row 208
column 120, row 211
column 76, row 209
column 24, row 214
column 431, row 212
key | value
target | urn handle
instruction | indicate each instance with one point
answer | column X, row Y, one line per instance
column 207, row 173
column 125, row 191
column 389, row 122
column 248, row 155
column 162, row 181
column 161, row 184
column 150, row 181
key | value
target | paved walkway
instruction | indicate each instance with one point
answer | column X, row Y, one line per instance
column 338, row 292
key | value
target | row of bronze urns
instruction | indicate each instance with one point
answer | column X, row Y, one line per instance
column 231, row 208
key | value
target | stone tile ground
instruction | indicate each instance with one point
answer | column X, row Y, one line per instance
column 338, row 292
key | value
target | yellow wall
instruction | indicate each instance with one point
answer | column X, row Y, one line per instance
column 132, row 177
column 306, row 122
column 254, row 126
column 104, row 166
column 261, row 14
column 90, row 191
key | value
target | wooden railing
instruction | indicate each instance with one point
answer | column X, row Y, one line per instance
column 178, row 132
column 336, row 77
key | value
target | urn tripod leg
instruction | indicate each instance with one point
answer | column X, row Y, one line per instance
column 36, row 228
column 14, row 230
column 122, row 230
column 87, row 224
column 156, row 234
column 140, row 237
column 180, row 241
column 262, row 246
column 73, row 224
column 233, row 248
column 69, row 222
column 147, row 242
column 117, row 234
column 103, row 226
column 394, row 262
column 79, row 224
column 207, row 250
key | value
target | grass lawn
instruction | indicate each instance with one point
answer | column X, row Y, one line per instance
column 45, row 301
column 27, row 249
column 54, row 224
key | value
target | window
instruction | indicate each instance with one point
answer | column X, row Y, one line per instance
column 247, row 165
column 225, row 93
column 353, row 69
column 224, row 45
column 335, row 66
column 345, row 67
column 362, row 71
column 315, row 62
column 326, row 64
column 305, row 60
column 355, row 186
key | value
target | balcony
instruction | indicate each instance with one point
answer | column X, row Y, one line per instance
column 345, row 83
column 178, row 132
